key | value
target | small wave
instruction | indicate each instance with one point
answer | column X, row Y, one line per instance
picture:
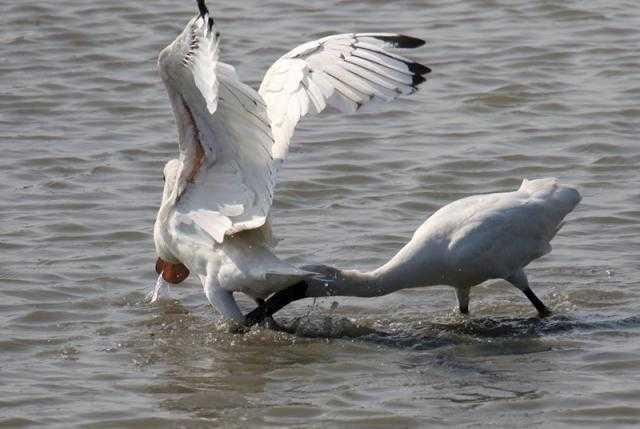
column 435, row 335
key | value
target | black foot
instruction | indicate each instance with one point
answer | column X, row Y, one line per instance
column 543, row 310
column 544, row 313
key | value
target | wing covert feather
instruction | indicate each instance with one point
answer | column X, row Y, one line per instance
column 345, row 71
column 225, row 182
column 233, row 139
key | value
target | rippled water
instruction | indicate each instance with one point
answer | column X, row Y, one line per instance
column 533, row 89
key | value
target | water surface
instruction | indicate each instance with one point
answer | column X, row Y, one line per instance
column 534, row 89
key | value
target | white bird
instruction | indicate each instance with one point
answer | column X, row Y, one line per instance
column 464, row 244
column 214, row 216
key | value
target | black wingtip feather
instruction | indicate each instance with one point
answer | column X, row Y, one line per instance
column 203, row 8
column 402, row 42
column 419, row 69
column 417, row 79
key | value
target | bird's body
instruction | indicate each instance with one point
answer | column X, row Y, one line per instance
column 482, row 237
column 467, row 242
column 244, row 262
column 213, row 220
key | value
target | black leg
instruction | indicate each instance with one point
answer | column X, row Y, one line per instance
column 539, row 305
column 463, row 299
column 276, row 303
column 519, row 280
column 267, row 321
column 254, row 317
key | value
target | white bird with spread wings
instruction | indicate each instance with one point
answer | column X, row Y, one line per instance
column 214, row 216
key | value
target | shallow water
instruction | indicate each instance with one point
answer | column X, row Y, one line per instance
column 531, row 90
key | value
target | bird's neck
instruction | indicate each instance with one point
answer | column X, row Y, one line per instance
column 160, row 235
column 362, row 284
column 406, row 271
column 391, row 277
column 163, row 213
column 359, row 284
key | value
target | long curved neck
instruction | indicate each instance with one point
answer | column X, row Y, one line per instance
column 168, row 197
column 160, row 236
column 407, row 269
column 401, row 272
column 364, row 284
column 346, row 283
column 163, row 212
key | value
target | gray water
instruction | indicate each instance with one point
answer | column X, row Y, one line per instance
column 518, row 89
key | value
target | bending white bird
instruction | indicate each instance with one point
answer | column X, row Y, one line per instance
column 214, row 216
column 465, row 243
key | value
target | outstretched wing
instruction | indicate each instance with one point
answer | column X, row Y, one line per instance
column 234, row 191
column 224, row 181
column 345, row 71
column 233, row 139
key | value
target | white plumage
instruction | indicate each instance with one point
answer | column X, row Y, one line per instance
column 345, row 71
column 465, row 243
column 214, row 215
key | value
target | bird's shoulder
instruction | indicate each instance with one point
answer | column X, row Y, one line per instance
column 501, row 231
column 469, row 211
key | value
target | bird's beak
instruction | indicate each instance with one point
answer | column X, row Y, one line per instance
column 203, row 8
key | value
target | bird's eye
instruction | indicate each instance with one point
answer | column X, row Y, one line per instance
column 164, row 179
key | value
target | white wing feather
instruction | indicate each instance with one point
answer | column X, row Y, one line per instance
column 225, row 183
column 344, row 71
column 234, row 139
